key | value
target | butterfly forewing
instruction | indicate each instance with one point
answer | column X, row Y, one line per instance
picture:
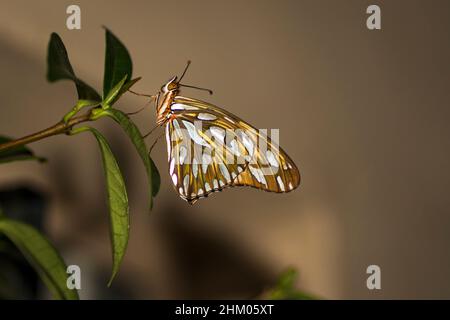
column 210, row 149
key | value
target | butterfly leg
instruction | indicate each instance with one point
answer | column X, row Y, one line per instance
column 154, row 143
column 153, row 98
column 139, row 110
column 150, row 132
column 142, row 94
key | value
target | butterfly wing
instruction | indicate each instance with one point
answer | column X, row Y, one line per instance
column 210, row 149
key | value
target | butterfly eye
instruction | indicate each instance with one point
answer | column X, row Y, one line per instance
column 173, row 86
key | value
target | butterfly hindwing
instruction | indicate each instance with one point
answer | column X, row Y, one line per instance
column 194, row 165
column 210, row 149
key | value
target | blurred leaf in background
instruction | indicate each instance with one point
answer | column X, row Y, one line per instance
column 285, row 288
column 41, row 255
column 25, row 252
column 17, row 154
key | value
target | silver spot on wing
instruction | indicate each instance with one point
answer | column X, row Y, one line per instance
column 206, row 116
column 280, row 183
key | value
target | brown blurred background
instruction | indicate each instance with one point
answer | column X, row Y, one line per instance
column 364, row 114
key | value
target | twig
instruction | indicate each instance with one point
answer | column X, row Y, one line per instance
column 59, row 128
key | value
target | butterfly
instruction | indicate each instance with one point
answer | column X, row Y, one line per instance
column 210, row 149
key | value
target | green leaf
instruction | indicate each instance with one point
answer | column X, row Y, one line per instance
column 156, row 178
column 285, row 288
column 125, row 88
column 112, row 95
column 41, row 255
column 117, row 201
column 128, row 85
column 136, row 138
column 59, row 68
column 115, row 94
column 117, row 63
column 17, row 154
column 81, row 104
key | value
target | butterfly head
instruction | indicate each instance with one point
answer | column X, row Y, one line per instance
column 171, row 85
column 168, row 93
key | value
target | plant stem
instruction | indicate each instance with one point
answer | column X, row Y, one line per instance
column 59, row 128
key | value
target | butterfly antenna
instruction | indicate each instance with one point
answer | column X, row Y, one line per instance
column 204, row 89
column 185, row 69
column 187, row 86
